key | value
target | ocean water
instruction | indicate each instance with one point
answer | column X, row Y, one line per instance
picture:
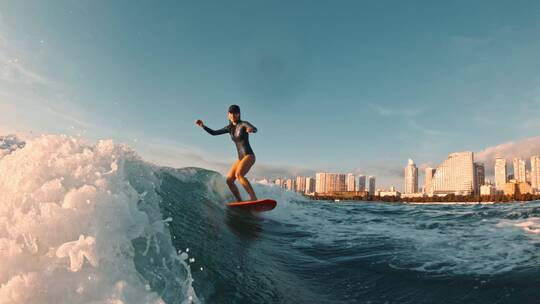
column 95, row 223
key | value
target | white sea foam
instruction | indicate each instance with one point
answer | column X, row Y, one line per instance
column 68, row 220
column 531, row 225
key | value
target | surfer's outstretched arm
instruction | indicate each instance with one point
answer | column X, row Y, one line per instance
column 210, row 131
column 223, row 130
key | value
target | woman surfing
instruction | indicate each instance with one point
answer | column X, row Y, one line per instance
column 239, row 131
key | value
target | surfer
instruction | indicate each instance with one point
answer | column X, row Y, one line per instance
column 239, row 131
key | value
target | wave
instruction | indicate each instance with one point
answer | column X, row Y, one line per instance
column 82, row 223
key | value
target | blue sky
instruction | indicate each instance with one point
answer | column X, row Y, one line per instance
column 355, row 86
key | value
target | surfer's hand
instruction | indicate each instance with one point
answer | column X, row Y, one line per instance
column 199, row 123
column 249, row 130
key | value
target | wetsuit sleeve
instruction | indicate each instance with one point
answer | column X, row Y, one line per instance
column 223, row 130
column 251, row 126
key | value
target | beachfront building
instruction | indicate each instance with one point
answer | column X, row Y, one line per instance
column 289, row 184
column 391, row 192
column 535, row 173
column 500, row 173
column 310, row 185
column 338, row 182
column 413, row 195
column 351, row 182
column 520, row 175
column 515, row 187
column 371, row 184
column 479, row 176
column 411, row 177
column 455, row 175
column 320, row 182
column 301, row 184
column 525, row 188
column 361, row 183
column 488, row 189
column 330, row 182
column 428, row 180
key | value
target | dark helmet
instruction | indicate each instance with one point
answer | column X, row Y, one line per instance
column 234, row 109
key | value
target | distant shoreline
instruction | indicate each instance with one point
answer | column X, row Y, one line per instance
column 437, row 200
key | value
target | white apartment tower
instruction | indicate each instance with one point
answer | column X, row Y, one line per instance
column 428, row 182
column 351, row 182
column 520, row 175
column 320, row 182
column 336, row 182
column 301, row 184
column 328, row 182
column 289, row 184
column 535, row 172
column 411, row 177
column 500, row 173
column 455, row 174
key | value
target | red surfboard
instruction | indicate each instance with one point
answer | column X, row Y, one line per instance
column 257, row 206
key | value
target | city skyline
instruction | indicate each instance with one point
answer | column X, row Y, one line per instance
column 460, row 173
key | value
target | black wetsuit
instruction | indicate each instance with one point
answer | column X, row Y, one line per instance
column 238, row 134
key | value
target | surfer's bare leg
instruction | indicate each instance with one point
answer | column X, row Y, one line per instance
column 243, row 168
column 231, row 177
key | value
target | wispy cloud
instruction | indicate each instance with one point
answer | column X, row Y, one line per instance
column 14, row 69
column 423, row 129
column 67, row 117
column 28, row 94
column 407, row 112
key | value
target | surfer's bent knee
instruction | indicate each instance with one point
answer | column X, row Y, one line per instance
column 239, row 176
column 231, row 179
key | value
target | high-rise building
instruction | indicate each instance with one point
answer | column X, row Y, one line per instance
column 329, row 182
column 320, row 182
column 351, row 182
column 520, row 174
column 301, row 184
column 455, row 174
column 500, row 173
column 361, row 183
column 279, row 182
column 428, row 181
column 371, row 184
column 411, row 177
column 338, row 182
column 289, row 184
column 535, row 172
column 310, row 185
column 479, row 176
